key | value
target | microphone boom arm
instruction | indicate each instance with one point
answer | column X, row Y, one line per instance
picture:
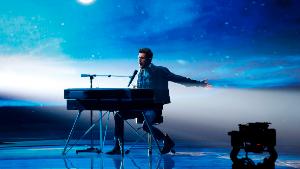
column 94, row 75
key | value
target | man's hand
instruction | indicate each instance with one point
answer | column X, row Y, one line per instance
column 204, row 83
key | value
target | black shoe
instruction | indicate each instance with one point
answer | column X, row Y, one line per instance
column 114, row 151
column 168, row 145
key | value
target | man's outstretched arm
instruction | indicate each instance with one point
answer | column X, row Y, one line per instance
column 184, row 80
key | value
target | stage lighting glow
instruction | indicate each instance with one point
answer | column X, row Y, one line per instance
column 86, row 2
column 38, row 79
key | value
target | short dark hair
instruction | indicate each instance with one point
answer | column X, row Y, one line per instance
column 147, row 51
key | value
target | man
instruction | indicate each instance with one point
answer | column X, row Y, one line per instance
column 156, row 78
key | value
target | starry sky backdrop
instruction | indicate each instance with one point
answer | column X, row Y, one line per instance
column 236, row 44
column 46, row 45
column 248, row 49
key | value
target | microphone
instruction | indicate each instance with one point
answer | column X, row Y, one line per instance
column 132, row 77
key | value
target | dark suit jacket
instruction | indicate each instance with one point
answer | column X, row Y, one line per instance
column 159, row 78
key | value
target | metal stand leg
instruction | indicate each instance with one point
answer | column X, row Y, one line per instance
column 91, row 123
column 151, row 132
column 122, row 163
column 150, row 161
column 100, row 131
column 149, row 139
column 106, row 126
column 134, row 144
column 89, row 149
column 121, row 144
column 149, row 144
column 86, row 132
column 92, row 148
column 71, row 132
column 136, row 131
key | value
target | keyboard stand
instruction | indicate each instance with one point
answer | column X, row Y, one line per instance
column 90, row 149
column 70, row 134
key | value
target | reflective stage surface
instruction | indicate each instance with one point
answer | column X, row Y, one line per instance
column 48, row 154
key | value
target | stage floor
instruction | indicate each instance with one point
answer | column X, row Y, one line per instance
column 48, row 154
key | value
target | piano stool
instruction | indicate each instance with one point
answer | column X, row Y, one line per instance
column 140, row 120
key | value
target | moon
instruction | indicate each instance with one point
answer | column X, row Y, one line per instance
column 86, row 2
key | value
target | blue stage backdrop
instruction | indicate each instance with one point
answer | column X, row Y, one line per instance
column 249, row 50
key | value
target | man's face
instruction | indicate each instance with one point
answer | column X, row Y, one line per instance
column 143, row 60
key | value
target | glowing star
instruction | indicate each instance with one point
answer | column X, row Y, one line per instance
column 86, row 2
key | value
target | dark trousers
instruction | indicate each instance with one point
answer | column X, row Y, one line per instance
column 150, row 115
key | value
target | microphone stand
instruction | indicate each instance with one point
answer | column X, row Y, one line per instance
column 92, row 148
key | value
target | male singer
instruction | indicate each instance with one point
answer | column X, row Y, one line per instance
column 152, row 77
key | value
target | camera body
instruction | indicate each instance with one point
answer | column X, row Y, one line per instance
column 254, row 137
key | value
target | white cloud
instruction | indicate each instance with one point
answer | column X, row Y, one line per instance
column 43, row 78
column 35, row 76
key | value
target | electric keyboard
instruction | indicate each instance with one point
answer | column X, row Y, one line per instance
column 110, row 99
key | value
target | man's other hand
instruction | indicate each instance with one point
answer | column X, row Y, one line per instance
column 204, row 83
